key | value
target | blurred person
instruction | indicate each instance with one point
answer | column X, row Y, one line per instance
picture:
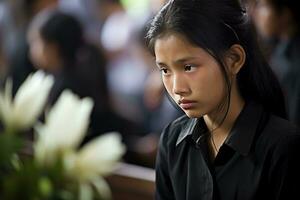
column 16, row 47
column 107, row 7
column 3, row 62
column 57, row 46
column 280, row 20
column 126, row 73
column 87, row 12
column 234, row 141
column 267, row 44
column 127, row 59
column 136, row 96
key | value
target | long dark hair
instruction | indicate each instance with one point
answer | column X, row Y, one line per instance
column 215, row 25
column 65, row 31
column 82, row 61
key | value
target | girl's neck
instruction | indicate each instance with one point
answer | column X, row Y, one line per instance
column 213, row 121
column 220, row 130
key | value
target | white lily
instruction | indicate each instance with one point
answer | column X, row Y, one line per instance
column 21, row 112
column 97, row 158
column 65, row 126
column 64, row 129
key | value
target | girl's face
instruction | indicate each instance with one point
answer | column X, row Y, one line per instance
column 192, row 77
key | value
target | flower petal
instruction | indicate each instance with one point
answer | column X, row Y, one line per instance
column 85, row 192
column 102, row 187
column 65, row 126
column 100, row 156
column 31, row 98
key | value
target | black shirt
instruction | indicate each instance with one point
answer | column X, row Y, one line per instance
column 258, row 160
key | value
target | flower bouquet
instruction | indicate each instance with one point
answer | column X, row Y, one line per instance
column 54, row 165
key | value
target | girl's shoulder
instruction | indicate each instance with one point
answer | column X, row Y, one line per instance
column 281, row 139
column 173, row 130
column 281, row 127
column 280, row 132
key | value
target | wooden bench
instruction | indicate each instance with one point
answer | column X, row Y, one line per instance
column 132, row 182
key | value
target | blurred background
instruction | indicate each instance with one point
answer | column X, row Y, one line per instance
column 96, row 48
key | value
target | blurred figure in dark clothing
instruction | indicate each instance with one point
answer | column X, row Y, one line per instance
column 22, row 11
column 280, row 20
column 57, row 46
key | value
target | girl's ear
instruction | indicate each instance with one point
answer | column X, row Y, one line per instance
column 235, row 58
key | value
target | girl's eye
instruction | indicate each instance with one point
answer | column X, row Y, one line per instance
column 164, row 71
column 188, row 68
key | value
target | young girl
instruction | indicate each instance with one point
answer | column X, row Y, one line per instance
column 234, row 142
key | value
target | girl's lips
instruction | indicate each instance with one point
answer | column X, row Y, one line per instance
column 186, row 104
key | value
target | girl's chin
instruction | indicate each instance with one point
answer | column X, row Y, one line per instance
column 193, row 114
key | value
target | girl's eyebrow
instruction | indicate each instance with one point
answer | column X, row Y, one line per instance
column 185, row 59
column 159, row 63
column 178, row 61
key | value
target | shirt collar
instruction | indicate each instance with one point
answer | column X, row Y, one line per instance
column 242, row 134
column 195, row 128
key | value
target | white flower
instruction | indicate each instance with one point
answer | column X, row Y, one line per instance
column 61, row 135
column 97, row 158
column 23, row 111
column 65, row 126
